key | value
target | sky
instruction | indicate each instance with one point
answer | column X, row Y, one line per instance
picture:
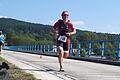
column 102, row 16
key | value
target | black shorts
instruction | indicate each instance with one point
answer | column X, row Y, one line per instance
column 1, row 43
column 64, row 45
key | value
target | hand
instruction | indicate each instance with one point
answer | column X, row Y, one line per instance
column 56, row 36
column 68, row 34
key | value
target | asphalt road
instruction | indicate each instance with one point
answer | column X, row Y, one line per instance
column 74, row 69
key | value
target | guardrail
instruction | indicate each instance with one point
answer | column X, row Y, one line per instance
column 88, row 49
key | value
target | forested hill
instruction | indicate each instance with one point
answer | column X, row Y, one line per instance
column 18, row 32
column 21, row 32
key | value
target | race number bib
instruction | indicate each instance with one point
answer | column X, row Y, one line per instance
column 62, row 38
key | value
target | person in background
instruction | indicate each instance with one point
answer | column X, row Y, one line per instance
column 1, row 41
column 63, row 29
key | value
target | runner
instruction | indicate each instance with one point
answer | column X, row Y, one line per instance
column 1, row 41
column 64, row 29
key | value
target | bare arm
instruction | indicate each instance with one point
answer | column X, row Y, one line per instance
column 74, row 32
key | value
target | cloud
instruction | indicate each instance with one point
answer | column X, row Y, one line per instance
column 82, row 23
column 3, row 17
column 112, row 28
column 51, row 22
column 79, row 24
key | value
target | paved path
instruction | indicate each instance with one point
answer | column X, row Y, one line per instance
column 46, row 68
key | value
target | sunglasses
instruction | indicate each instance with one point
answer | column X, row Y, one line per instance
column 65, row 15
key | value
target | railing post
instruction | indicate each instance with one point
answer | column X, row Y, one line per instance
column 28, row 47
column 119, row 50
column 24, row 47
column 35, row 47
column 44, row 49
column 79, row 49
column 102, row 55
column 48, row 48
column 53, row 48
column 70, row 49
column 32, row 47
column 41, row 48
column 89, row 49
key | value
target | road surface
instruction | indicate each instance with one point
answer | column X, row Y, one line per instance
column 47, row 68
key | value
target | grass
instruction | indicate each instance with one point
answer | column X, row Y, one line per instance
column 16, row 73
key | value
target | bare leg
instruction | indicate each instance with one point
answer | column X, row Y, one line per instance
column 60, row 58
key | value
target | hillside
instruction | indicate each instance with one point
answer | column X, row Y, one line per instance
column 20, row 32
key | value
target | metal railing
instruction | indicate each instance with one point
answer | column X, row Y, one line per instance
column 100, row 49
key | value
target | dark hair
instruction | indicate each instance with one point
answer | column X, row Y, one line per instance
column 64, row 13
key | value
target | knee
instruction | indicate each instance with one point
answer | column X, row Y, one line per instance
column 60, row 49
column 66, row 55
